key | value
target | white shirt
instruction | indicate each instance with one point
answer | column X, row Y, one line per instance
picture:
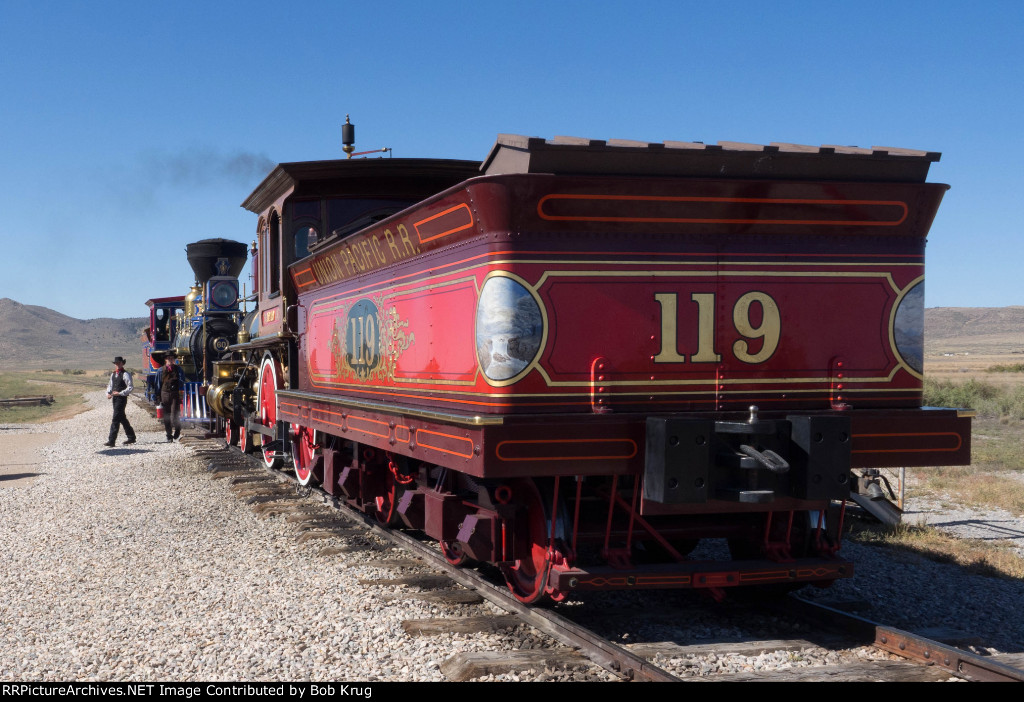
column 127, row 382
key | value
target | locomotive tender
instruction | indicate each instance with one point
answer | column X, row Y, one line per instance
column 578, row 358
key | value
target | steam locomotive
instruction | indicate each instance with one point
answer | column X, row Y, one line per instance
column 577, row 359
column 199, row 326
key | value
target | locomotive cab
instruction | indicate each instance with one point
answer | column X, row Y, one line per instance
column 302, row 208
column 164, row 319
column 305, row 206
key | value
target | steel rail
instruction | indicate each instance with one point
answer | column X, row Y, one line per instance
column 622, row 662
column 908, row 645
column 598, row 650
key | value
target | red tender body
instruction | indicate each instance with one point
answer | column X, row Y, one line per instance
column 651, row 295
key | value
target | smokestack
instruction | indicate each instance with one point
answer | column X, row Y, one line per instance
column 204, row 257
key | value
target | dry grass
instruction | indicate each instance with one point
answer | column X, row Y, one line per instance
column 990, row 558
column 974, row 487
column 997, row 445
column 976, row 367
column 989, row 383
column 67, row 398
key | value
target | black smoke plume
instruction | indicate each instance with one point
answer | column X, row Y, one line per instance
column 201, row 166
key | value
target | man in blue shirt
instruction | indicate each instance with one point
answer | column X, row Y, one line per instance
column 170, row 382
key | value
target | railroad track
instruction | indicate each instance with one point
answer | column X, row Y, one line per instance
column 101, row 384
column 95, row 383
column 46, row 400
column 270, row 490
column 965, row 664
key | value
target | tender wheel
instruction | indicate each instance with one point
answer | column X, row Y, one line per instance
column 305, row 452
column 380, row 486
column 384, row 497
column 749, row 548
column 230, row 433
column 453, row 553
column 528, row 574
column 266, row 401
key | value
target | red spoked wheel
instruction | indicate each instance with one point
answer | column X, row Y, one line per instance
column 245, row 444
column 266, row 401
column 381, row 483
column 527, row 575
column 384, row 494
column 231, row 433
column 305, row 452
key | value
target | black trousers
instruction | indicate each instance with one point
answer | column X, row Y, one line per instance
column 120, row 419
column 172, row 415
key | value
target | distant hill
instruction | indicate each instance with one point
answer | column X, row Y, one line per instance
column 37, row 338
column 988, row 330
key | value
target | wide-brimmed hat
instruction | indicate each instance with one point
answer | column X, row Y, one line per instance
column 170, row 353
column 118, row 359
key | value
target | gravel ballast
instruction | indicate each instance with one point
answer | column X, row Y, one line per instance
column 131, row 564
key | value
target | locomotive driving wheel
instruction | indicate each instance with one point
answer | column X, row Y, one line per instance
column 527, row 574
column 305, row 452
column 266, row 402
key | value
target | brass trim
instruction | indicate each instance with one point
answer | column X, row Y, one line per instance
column 387, row 407
column 321, row 379
column 332, row 303
column 419, row 284
column 713, row 273
column 263, row 341
column 505, row 260
column 966, row 413
column 711, row 380
column 545, row 328
column 823, row 381
column 900, row 294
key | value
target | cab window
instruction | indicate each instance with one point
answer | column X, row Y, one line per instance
column 274, row 264
column 348, row 215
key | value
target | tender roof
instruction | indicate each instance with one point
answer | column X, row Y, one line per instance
column 513, row 153
column 177, row 299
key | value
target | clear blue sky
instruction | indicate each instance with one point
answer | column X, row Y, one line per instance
column 128, row 129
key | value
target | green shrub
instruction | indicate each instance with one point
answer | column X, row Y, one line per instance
column 1012, row 368
column 985, row 398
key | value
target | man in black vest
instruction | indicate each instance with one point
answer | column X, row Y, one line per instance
column 170, row 381
column 119, row 387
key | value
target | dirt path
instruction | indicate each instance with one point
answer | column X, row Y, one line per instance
column 944, row 512
column 20, row 460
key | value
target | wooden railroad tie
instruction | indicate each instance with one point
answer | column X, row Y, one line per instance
column 461, row 625
column 467, row 666
column 32, row 401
